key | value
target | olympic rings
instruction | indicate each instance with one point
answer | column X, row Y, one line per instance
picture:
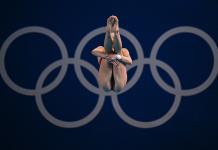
column 153, row 62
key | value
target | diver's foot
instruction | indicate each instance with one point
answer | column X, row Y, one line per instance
column 112, row 24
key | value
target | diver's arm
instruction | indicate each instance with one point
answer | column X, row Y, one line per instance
column 99, row 54
column 125, row 58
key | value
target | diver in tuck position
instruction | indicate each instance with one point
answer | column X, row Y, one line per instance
column 112, row 58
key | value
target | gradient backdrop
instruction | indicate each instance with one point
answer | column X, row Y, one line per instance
column 193, row 127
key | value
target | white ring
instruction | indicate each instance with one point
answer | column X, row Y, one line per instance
column 164, row 118
column 18, row 33
column 78, row 63
column 47, row 115
column 178, row 30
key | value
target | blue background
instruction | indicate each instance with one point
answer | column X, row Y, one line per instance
column 195, row 124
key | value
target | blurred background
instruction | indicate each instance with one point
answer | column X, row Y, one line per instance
column 194, row 125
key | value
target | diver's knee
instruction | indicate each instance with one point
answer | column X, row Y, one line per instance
column 118, row 88
column 106, row 87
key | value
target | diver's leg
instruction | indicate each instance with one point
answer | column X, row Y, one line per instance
column 104, row 75
column 120, row 77
column 117, row 44
column 108, row 41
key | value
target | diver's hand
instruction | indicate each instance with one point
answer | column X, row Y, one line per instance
column 113, row 57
